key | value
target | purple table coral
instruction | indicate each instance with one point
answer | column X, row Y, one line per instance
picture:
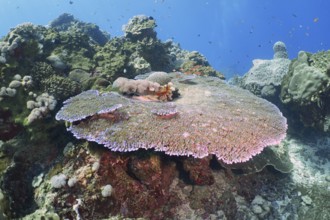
column 210, row 117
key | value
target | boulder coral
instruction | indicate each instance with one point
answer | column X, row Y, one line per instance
column 306, row 89
column 265, row 77
column 210, row 117
column 159, row 77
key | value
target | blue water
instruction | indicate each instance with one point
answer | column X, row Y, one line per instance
column 230, row 33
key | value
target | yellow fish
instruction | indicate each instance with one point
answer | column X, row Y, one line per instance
column 316, row 19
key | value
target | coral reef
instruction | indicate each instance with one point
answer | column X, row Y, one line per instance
column 196, row 63
column 46, row 173
column 60, row 87
column 124, row 124
column 13, row 86
column 111, row 59
column 140, row 27
column 306, row 88
column 40, row 71
column 24, row 43
column 265, row 77
column 41, row 107
column 67, row 22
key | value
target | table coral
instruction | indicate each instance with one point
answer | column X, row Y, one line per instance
column 212, row 118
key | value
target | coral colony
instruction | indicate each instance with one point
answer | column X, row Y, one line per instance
column 126, row 94
column 209, row 117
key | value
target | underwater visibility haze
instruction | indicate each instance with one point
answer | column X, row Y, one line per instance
column 164, row 109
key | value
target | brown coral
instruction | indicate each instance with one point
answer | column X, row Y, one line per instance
column 144, row 90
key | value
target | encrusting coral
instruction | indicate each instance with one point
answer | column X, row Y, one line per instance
column 210, row 117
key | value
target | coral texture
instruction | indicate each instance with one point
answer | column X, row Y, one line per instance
column 195, row 63
column 265, row 77
column 307, row 79
column 130, row 86
column 140, row 26
column 41, row 107
column 210, row 117
column 306, row 89
column 159, row 77
column 280, row 50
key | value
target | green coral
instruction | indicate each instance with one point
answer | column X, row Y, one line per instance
column 75, row 50
column 67, row 22
column 40, row 71
column 306, row 88
column 111, row 59
column 156, row 54
column 306, row 79
column 60, row 87
column 140, row 27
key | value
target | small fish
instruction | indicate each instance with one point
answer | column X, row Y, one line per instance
column 70, row 2
column 316, row 20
